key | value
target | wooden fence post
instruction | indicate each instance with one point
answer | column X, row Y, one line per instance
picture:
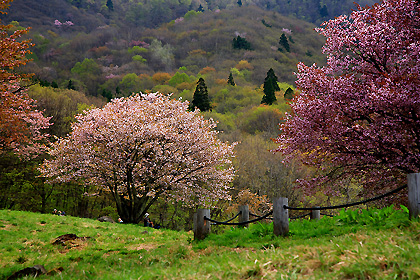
column 315, row 214
column 413, row 182
column 280, row 216
column 244, row 216
column 201, row 226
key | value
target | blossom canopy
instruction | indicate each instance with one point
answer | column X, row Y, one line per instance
column 144, row 147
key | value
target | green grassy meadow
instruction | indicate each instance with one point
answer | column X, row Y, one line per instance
column 374, row 244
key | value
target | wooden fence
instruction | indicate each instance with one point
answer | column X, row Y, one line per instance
column 280, row 212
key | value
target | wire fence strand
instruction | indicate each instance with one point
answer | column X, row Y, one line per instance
column 241, row 223
column 348, row 204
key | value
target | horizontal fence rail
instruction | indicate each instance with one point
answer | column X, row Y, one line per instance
column 241, row 223
column 280, row 212
column 348, row 204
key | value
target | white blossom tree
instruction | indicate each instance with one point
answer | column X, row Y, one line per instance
column 141, row 148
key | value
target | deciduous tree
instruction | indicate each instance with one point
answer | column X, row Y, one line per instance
column 21, row 125
column 359, row 116
column 141, row 148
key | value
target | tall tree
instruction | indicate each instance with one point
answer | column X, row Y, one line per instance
column 201, row 97
column 230, row 80
column 270, row 88
column 141, row 148
column 284, row 43
column 21, row 125
column 241, row 43
column 288, row 94
column 358, row 117
column 110, row 5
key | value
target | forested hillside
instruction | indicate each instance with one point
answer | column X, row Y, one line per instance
column 86, row 53
column 142, row 13
column 66, row 50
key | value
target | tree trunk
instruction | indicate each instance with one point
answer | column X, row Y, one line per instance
column 132, row 212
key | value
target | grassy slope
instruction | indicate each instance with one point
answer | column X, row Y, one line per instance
column 119, row 251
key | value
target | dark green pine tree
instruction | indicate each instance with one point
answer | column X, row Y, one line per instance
column 284, row 43
column 110, row 5
column 289, row 94
column 201, row 97
column 70, row 85
column 230, row 80
column 241, row 43
column 270, row 88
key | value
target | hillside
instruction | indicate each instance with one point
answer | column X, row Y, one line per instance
column 328, row 249
column 152, row 13
column 108, row 52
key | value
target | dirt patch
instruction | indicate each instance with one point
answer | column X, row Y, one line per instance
column 6, row 227
column 70, row 241
column 145, row 246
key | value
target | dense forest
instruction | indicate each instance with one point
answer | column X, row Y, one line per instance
column 86, row 53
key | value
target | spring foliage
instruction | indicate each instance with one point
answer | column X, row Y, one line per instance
column 141, row 148
column 359, row 116
column 21, row 125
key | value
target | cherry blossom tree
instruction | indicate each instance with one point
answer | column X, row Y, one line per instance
column 141, row 148
column 21, row 125
column 359, row 116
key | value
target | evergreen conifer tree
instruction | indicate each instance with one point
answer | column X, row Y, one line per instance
column 289, row 94
column 70, row 85
column 110, row 5
column 201, row 97
column 270, row 88
column 284, row 43
column 230, row 80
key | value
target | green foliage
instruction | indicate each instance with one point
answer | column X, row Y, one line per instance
column 201, row 97
column 241, row 43
column 386, row 217
column 110, row 5
column 139, row 58
column 191, row 14
column 284, row 43
column 270, row 88
column 262, row 119
column 130, row 83
column 230, row 80
column 289, row 94
column 86, row 67
column 179, row 78
column 137, row 50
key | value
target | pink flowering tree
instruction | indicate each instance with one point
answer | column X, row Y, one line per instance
column 141, row 148
column 358, row 117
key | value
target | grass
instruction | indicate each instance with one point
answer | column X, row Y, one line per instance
column 376, row 244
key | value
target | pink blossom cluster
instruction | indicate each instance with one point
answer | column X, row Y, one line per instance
column 178, row 20
column 358, row 118
column 59, row 23
column 287, row 31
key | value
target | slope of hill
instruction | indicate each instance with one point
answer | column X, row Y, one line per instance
column 152, row 13
column 119, row 251
column 194, row 42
